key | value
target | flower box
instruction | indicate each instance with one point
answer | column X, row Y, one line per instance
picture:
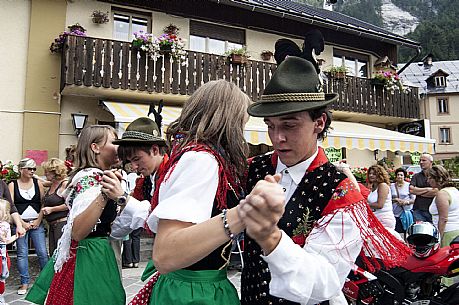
column 238, row 59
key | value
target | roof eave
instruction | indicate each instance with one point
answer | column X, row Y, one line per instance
column 338, row 26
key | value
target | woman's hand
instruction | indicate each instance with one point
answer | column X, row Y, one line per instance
column 111, row 184
column 47, row 210
column 26, row 226
column 20, row 231
column 35, row 224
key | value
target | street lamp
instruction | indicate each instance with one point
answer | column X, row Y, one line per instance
column 79, row 120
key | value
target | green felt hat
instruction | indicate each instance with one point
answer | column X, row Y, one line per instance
column 294, row 87
column 141, row 131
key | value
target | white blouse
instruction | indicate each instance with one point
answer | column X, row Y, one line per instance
column 187, row 194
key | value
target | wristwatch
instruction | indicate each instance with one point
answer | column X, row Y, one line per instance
column 122, row 200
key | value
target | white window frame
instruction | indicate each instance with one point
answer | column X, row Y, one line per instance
column 445, row 135
column 131, row 15
column 440, row 81
column 358, row 58
column 228, row 44
column 442, row 105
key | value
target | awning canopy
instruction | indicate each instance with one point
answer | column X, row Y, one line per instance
column 343, row 134
column 124, row 113
column 360, row 136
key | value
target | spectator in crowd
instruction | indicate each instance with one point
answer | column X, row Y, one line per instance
column 424, row 192
column 5, row 194
column 380, row 198
column 5, row 239
column 402, row 199
column 54, row 208
column 444, row 208
column 27, row 194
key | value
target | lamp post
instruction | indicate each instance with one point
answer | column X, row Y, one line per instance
column 79, row 120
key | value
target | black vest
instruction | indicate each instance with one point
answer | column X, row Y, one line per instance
column 312, row 195
column 21, row 203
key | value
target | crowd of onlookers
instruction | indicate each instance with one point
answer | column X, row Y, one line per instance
column 27, row 199
column 429, row 196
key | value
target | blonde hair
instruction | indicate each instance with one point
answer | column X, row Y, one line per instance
column 85, row 157
column 5, row 207
column 27, row 163
column 215, row 114
column 55, row 166
column 440, row 175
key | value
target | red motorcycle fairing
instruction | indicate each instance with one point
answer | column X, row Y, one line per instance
column 439, row 263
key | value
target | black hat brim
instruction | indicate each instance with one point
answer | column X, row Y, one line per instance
column 128, row 142
column 271, row 109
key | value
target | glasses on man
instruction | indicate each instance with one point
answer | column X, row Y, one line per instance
column 32, row 169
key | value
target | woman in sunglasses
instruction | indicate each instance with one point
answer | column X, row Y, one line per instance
column 27, row 193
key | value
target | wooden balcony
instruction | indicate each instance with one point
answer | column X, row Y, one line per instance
column 111, row 64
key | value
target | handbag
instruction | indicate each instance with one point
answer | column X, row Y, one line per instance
column 406, row 217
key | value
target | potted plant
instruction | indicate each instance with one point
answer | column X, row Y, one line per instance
column 171, row 29
column 338, row 72
column 9, row 171
column 99, row 17
column 58, row 44
column 237, row 56
column 266, row 55
column 166, row 44
column 389, row 80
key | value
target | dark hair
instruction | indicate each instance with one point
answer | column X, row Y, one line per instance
column 126, row 151
column 402, row 170
column 317, row 113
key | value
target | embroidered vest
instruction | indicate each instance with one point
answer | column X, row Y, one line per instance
column 310, row 197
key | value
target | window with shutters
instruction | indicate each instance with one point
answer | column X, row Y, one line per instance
column 213, row 38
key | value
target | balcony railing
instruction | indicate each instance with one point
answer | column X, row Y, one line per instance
column 115, row 64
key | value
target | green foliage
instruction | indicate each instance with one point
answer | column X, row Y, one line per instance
column 438, row 31
column 242, row 51
column 452, row 165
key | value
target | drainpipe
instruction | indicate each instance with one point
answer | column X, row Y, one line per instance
column 418, row 52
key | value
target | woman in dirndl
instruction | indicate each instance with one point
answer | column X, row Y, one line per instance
column 84, row 269
column 196, row 218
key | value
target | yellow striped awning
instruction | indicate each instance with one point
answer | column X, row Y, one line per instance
column 343, row 134
column 124, row 113
column 360, row 136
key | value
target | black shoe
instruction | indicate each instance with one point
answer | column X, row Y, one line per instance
column 130, row 265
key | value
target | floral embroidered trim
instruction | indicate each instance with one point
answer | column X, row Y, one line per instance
column 84, row 184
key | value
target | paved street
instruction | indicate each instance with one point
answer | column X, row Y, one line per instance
column 131, row 283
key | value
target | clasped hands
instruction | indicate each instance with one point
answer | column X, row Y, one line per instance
column 261, row 210
column 111, row 184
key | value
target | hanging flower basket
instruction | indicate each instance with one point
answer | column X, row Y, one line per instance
column 266, row 55
column 100, row 17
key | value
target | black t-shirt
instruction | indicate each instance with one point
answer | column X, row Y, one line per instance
column 421, row 203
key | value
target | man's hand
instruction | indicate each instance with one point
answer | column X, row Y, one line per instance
column 20, row 231
column 262, row 209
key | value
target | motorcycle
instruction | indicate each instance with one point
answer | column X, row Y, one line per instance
column 416, row 282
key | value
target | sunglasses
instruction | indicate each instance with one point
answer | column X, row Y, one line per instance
column 31, row 168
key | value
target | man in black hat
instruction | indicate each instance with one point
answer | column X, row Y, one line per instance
column 325, row 214
column 142, row 146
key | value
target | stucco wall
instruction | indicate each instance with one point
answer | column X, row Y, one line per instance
column 438, row 121
column 78, row 104
column 80, row 11
column 14, row 19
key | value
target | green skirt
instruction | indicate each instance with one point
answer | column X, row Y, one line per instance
column 96, row 280
column 185, row 287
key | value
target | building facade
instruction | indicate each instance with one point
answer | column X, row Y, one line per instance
column 104, row 77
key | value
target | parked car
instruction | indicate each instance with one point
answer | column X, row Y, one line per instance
column 412, row 168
